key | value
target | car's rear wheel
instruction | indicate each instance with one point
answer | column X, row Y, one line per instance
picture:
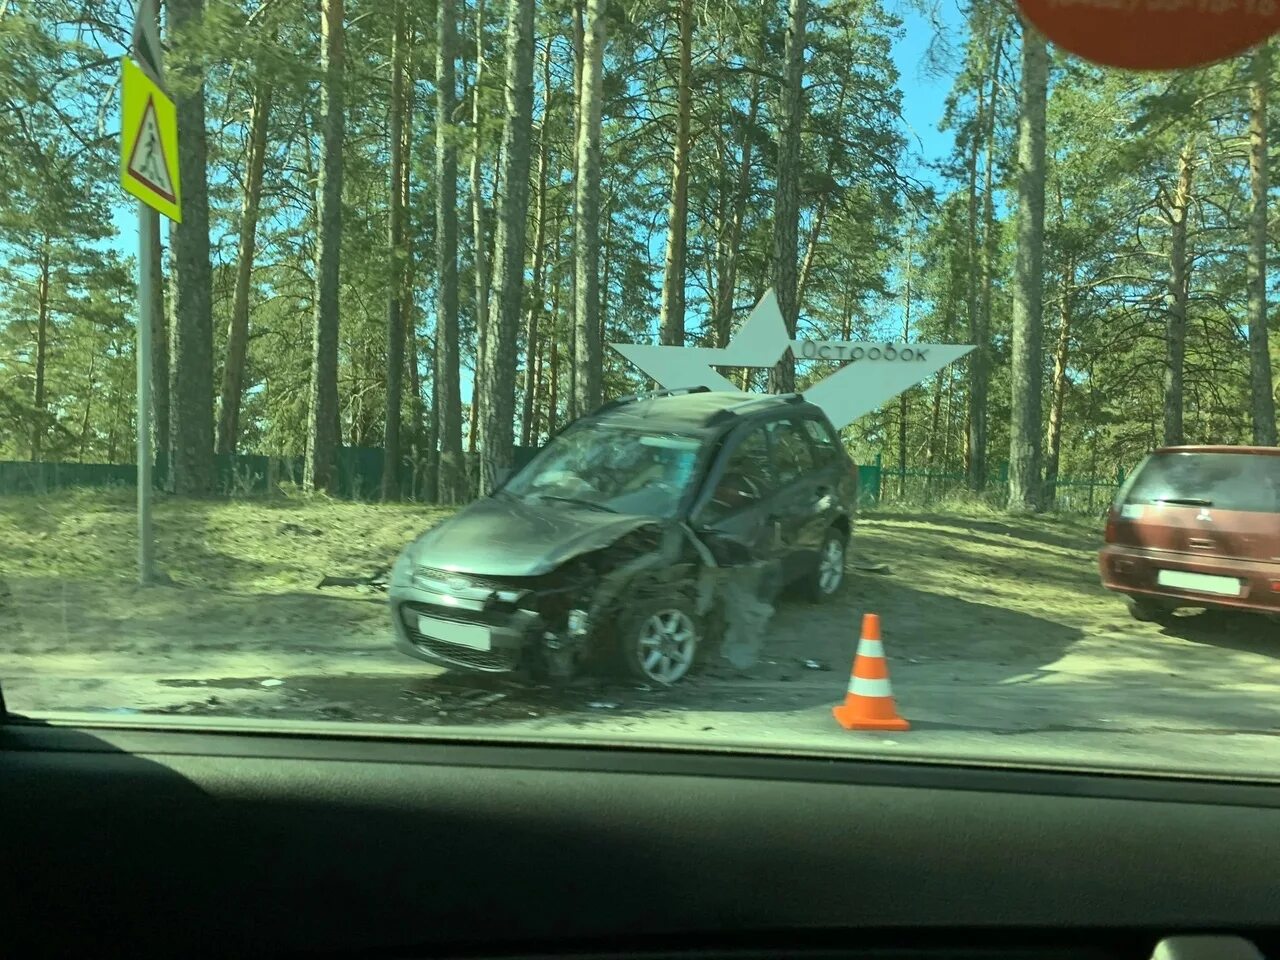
column 659, row 641
column 1148, row 610
column 828, row 574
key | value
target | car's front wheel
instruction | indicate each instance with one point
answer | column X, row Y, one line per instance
column 659, row 641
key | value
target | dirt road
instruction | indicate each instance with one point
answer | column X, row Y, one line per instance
column 1000, row 641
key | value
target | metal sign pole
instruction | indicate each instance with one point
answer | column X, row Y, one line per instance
column 148, row 228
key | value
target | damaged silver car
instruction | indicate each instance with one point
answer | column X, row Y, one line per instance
column 644, row 538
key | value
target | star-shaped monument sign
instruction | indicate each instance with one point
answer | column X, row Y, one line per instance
column 871, row 375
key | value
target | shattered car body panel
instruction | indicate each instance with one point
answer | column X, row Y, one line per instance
column 624, row 510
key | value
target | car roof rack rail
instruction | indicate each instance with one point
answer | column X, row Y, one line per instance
column 753, row 400
column 652, row 395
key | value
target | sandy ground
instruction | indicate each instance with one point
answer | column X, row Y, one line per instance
column 1001, row 643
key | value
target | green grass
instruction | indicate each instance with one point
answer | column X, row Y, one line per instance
column 260, row 544
column 251, row 545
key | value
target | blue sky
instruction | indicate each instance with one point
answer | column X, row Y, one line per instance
column 922, row 95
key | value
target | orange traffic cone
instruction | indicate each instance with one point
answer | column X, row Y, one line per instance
column 869, row 703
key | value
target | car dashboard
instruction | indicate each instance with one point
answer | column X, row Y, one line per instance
column 129, row 841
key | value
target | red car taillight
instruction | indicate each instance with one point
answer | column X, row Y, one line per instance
column 1109, row 535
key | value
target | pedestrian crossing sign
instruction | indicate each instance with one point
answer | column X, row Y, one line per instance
column 149, row 143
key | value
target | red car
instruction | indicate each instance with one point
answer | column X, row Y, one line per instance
column 1197, row 527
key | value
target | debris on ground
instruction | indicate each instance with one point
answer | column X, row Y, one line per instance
column 603, row 705
column 272, row 683
column 816, row 665
column 868, row 567
column 297, row 530
column 376, row 580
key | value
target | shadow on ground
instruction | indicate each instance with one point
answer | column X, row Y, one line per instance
column 1227, row 630
column 1067, row 535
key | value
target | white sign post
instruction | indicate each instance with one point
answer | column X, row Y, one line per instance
column 148, row 171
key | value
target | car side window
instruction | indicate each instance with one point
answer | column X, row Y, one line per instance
column 825, row 447
column 791, row 452
column 748, row 476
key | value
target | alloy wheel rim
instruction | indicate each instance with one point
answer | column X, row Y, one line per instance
column 831, row 567
column 668, row 641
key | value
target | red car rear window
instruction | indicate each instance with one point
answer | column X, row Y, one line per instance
column 1227, row 481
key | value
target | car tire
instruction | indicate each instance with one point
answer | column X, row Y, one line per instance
column 659, row 641
column 1148, row 611
column 827, row 577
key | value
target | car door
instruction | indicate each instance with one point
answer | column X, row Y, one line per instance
column 836, row 475
column 738, row 511
column 800, row 505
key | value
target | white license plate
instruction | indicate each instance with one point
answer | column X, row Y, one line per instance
column 473, row 635
column 1200, row 582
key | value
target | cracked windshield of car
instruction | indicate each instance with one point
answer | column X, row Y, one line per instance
column 878, row 378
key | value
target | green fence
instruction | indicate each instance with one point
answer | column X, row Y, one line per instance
column 359, row 473
column 916, row 487
column 359, row 477
column 869, row 479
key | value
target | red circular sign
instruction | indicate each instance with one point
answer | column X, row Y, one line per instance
column 1154, row 34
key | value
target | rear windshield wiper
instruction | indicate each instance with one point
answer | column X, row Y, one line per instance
column 1185, row 501
column 581, row 503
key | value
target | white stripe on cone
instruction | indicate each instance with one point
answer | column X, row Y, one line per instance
column 870, row 648
column 870, row 688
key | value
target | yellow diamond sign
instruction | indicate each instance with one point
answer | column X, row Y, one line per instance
column 149, row 143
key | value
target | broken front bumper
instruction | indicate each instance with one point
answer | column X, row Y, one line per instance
column 466, row 623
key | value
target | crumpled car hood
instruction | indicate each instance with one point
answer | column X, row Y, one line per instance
column 505, row 537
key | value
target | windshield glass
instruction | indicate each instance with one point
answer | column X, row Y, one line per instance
column 1228, row 481
column 627, row 471
column 734, row 375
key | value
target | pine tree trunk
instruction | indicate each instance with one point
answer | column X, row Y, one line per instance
column 85, row 421
column 727, row 277
column 191, row 401
column 434, row 494
column 527, row 429
column 409, row 307
column 1263, row 399
column 903, row 402
column 238, row 328
column 586, row 226
column 479, row 241
column 498, row 408
column 553, row 396
column 981, row 385
column 323, row 432
column 976, row 441
column 820, row 213
column 453, row 485
column 606, row 261
column 578, row 37
column 38, row 426
column 396, row 256
column 159, row 354
column 671, row 330
column 786, row 208
column 1025, row 369
column 1179, row 286
column 944, row 376
column 811, row 248
column 1058, row 387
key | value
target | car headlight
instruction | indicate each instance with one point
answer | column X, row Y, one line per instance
column 402, row 570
